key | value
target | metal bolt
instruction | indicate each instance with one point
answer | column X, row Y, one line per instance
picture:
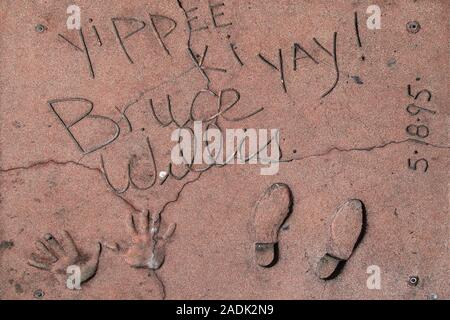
column 38, row 294
column 413, row 280
column 413, row 27
column 40, row 28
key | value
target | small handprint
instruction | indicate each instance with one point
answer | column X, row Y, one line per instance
column 148, row 247
column 52, row 256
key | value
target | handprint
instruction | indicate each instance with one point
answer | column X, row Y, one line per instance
column 52, row 256
column 148, row 247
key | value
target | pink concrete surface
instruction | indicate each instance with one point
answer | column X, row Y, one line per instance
column 346, row 136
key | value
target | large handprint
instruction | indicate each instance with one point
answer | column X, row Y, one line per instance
column 148, row 247
column 52, row 256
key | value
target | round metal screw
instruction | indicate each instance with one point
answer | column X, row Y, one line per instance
column 413, row 26
column 413, row 280
column 38, row 294
column 40, row 28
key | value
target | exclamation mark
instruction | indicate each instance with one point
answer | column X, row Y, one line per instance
column 358, row 36
column 97, row 35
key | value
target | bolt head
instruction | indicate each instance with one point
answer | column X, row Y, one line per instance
column 38, row 294
column 413, row 27
column 413, row 280
column 40, row 28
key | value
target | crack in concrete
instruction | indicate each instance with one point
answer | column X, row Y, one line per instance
column 179, row 193
column 367, row 149
column 161, row 284
column 44, row 163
